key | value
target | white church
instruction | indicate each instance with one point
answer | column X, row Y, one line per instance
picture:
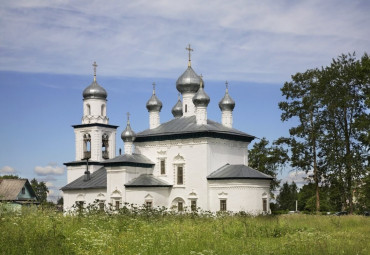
column 187, row 163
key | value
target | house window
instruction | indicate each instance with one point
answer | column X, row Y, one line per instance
column 117, row 205
column 180, row 206
column 264, row 204
column 223, row 205
column 23, row 190
column 163, row 166
column 149, row 204
column 180, row 175
column 193, row 205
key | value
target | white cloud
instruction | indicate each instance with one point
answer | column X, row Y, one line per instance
column 299, row 177
column 49, row 170
column 7, row 170
column 264, row 41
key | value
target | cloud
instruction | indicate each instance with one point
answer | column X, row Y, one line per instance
column 7, row 170
column 49, row 170
column 239, row 40
column 299, row 177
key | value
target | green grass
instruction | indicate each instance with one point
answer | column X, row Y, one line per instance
column 46, row 232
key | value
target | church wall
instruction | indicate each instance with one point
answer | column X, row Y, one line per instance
column 241, row 195
column 70, row 197
column 188, row 153
column 221, row 152
column 139, row 196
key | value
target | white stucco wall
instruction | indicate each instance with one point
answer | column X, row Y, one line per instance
column 87, row 196
column 158, row 196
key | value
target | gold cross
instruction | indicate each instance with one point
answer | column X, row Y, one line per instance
column 95, row 66
column 190, row 50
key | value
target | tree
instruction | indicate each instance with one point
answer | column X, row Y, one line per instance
column 40, row 189
column 302, row 101
column 268, row 160
column 10, row 176
column 287, row 196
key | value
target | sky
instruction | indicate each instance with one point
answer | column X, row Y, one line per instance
column 47, row 49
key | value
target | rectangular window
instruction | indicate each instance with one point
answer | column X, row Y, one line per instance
column 23, row 190
column 148, row 204
column 101, row 205
column 117, row 205
column 264, row 204
column 223, row 205
column 180, row 206
column 193, row 205
column 163, row 166
column 180, row 175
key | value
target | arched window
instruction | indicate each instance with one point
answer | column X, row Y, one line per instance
column 105, row 146
column 87, row 146
column 88, row 109
column 102, row 110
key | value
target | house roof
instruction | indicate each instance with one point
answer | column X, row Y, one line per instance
column 129, row 160
column 10, row 189
column 98, row 180
column 147, row 180
column 186, row 127
column 237, row 172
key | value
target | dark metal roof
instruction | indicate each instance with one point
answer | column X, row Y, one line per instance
column 186, row 127
column 129, row 160
column 98, row 180
column 10, row 189
column 94, row 125
column 237, row 172
column 147, row 180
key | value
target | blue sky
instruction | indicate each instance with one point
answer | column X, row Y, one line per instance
column 47, row 48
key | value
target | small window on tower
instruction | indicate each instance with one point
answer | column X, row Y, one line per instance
column 186, row 108
column 163, row 166
column 103, row 110
column 88, row 109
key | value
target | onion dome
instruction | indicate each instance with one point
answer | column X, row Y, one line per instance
column 201, row 98
column 154, row 104
column 227, row 103
column 177, row 109
column 188, row 82
column 94, row 90
column 128, row 135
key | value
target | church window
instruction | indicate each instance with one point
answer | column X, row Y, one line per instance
column 23, row 190
column 148, row 204
column 163, row 166
column 186, row 108
column 193, row 205
column 223, row 205
column 264, row 204
column 88, row 108
column 117, row 204
column 103, row 110
column 101, row 205
column 180, row 175
column 180, row 206
column 105, row 145
column 87, row 146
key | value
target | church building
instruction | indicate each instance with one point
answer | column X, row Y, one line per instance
column 187, row 163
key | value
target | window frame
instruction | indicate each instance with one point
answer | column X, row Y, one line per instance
column 162, row 166
column 178, row 167
column 193, row 205
column 180, row 206
column 223, row 205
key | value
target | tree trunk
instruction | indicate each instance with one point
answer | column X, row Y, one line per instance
column 315, row 170
column 348, row 162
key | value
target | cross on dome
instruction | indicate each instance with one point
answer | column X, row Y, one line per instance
column 128, row 117
column 95, row 66
column 227, row 86
column 153, row 87
column 190, row 50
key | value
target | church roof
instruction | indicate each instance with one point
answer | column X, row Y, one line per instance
column 186, row 127
column 147, row 180
column 129, row 160
column 237, row 172
column 98, row 180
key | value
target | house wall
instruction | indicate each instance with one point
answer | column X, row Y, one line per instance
column 241, row 195
column 27, row 194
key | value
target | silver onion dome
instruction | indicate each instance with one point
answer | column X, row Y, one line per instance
column 227, row 103
column 154, row 104
column 128, row 135
column 177, row 109
column 201, row 98
column 188, row 82
column 94, row 91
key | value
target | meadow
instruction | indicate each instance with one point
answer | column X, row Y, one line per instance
column 44, row 231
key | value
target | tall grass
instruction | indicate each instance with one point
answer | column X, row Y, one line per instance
column 37, row 231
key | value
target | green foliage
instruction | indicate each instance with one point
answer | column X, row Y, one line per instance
column 287, row 196
column 40, row 189
column 10, row 176
column 36, row 231
column 268, row 160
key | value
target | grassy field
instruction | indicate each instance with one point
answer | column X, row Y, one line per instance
column 47, row 232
